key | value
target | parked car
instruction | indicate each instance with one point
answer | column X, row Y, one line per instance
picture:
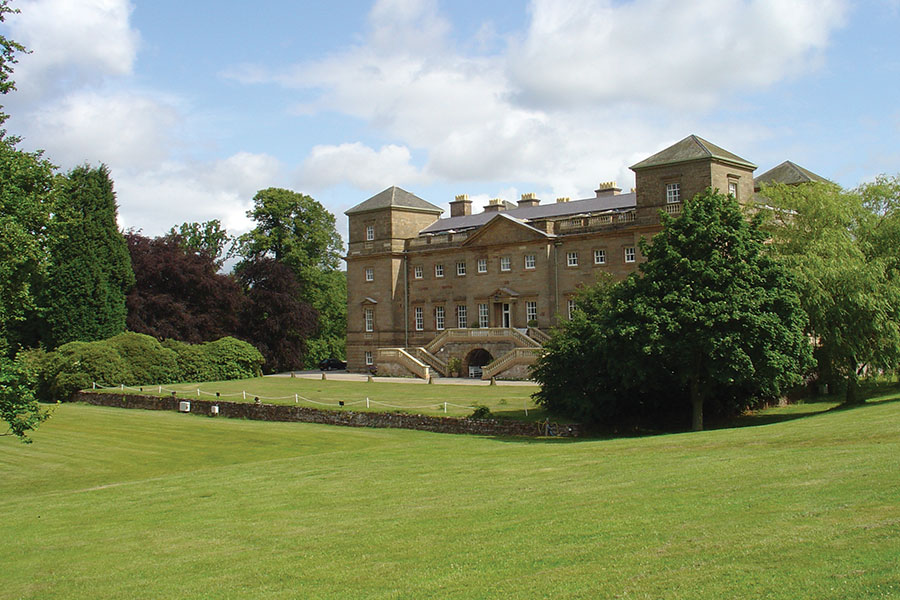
column 332, row 363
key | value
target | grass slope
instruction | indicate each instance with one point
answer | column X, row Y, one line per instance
column 111, row 503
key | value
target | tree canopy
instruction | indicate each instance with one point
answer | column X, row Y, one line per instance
column 842, row 248
column 295, row 230
column 274, row 319
column 711, row 323
column 207, row 239
column 178, row 292
column 90, row 270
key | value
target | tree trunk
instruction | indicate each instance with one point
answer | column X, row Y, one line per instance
column 697, row 404
column 852, row 395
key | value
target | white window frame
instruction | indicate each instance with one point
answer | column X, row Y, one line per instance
column 461, row 268
column 438, row 271
column 419, row 318
column 483, row 315
column 673, row 193
column 439, row 318
column 572, row 258
column 599, row 256
column 418, row 272
column 482, row 265
column 530, row 261
column 733, row 189
column 370, row 233
column 570, row 307
column 369, row 359
column 369, row 317
column 630, row 254
column 462, row 316
column 505, row 263
column 530, row 311
column 370, row 274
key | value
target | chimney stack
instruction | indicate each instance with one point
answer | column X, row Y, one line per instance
column 562, row 199
column 461, row 207
column 495, row 205
column 529, row 199
column 607, row 188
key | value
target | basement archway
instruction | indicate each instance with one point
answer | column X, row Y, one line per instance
column 473, row 362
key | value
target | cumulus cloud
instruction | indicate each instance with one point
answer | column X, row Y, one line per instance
column 126, row 129
column 156, row 199
column 358, row 165
column 665, row 52
column 588, row 83
column 73, row 43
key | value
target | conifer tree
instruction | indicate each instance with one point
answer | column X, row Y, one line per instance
column 90, row 269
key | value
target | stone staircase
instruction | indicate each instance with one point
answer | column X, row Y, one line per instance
column 424, row 362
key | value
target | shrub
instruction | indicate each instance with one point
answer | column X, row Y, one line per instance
column 454, row 365
column 481, row 412
column 231, row 358
column 149, row 361
column 193, row 362
column 76, row 365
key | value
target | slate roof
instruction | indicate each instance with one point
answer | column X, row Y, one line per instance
column 789, row 173
column 397, row 198
column 541, row 211
column 689, row 149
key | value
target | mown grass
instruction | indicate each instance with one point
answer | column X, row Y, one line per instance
column 110, row 503
column 412, row 397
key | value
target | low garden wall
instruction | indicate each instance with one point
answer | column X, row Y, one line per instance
column 303, row 414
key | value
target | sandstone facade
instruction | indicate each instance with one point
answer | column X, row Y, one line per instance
column 412, row 277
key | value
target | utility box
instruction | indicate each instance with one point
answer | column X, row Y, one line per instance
column 184, row 406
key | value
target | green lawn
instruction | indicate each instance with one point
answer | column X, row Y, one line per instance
column 111, row 503
column 413, row 397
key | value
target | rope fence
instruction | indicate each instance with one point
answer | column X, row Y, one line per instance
column 443, row 406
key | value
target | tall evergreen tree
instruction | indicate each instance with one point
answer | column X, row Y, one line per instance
column 90, row 270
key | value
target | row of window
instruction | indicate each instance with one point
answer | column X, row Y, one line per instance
column 462, row 316
column 506, row 264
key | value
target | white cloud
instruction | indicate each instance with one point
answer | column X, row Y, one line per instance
column 154, row 200
column 120, row 129
column 358, row 165
column 665, row 52
column 588, row 83
column 72, row 44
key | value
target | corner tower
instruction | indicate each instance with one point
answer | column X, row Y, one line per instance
column 376, row 271
column 681, row 171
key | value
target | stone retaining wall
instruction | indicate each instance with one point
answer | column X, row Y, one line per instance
column 347, row 418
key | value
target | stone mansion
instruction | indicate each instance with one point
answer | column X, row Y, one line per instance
column 484, row 288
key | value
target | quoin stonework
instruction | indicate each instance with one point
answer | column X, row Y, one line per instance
column 486, row 287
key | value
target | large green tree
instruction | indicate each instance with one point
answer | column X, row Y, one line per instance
column 25, row 193
column 297, row 231
column 207, row 239
column 841, row 247
column 90, row 269
column 26, row 184
column 710, row 323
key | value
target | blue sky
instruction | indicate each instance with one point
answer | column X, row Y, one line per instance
column 197, row 104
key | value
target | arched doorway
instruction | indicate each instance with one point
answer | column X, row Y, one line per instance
column 473, row 362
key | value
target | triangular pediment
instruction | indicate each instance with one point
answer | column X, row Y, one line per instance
column 504, row 229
